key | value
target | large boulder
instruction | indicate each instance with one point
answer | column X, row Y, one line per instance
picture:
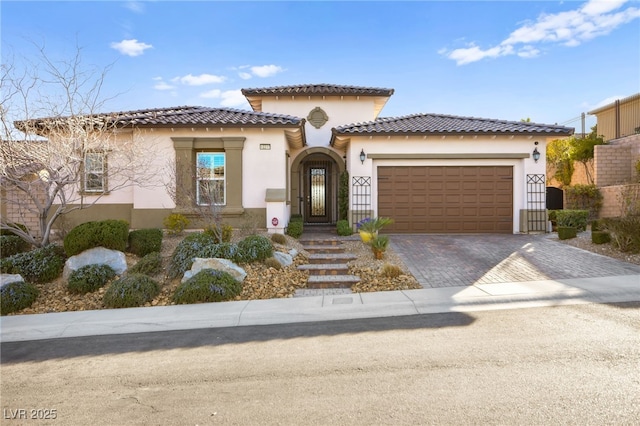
column 96, row 256
column 285, row 259
column 218, row 264
column 9, row 278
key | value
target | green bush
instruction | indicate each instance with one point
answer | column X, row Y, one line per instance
column 208, row 285
column 40, row 265
column 130, row 291
column 279, row 239
column 110, row 234
column 567, row 232
column 343, row 228
column 296, row 226
column 175, row 223
column 596, row 225
column 198, row 245
column 254, row 248
column 145, row 241
column 89, row 278
column 151, row 264
column 17, row 296
column 573, row 218
column 223, row 235
column 600, row 237
column 625, row 232
column 272, row 262
column 583, row 197
column 12, row 244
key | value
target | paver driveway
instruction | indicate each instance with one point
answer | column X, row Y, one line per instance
column 463, row 260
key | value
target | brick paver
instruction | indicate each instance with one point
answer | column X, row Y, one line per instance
column 460, row 260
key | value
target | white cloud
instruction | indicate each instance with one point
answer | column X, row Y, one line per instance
column 215, row 93
column 244, row 75
column 266, row 70
column 233, row 98
column 135, row 6
column 593, row 19
column 131, row 47
column 202, row 79
column 161, row 85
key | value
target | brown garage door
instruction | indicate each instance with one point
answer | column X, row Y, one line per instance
column 447, row 199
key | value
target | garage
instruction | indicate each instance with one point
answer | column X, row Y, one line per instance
column 446, row 199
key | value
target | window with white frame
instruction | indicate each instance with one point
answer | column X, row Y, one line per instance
column 210, row 178
column 94, row 173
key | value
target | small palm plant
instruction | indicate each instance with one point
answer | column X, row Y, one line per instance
column 379, row 245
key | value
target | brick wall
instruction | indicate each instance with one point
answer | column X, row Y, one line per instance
column 615, row 163
column 16, row 209
column 617, row 198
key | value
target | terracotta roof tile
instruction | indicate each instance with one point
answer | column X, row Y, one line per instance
column 318, row 89
column 448, row 124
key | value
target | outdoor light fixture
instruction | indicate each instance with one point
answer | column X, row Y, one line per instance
column 536, row 153
column 363, row 156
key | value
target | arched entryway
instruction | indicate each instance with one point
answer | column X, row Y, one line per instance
column 315, row 174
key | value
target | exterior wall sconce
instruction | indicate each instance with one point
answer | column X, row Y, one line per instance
column 536, row 153
column 363, row 156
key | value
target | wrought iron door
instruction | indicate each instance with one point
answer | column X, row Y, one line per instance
column 317, row 189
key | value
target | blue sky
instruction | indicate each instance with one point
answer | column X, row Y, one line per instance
column 546, row 60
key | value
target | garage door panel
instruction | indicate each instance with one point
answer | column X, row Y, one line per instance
column 447, row 199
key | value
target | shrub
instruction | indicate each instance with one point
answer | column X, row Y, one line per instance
column 254, row 248
column 175, row 223
column 296, row 226
column 5, row 231
column 40, row 265
column 272, row 262
column 343, row 228
column 111, row 234
column 573, row 218
column 16, row 296
column 89, row 278
column 220, row 235
column 208, row 285
column 391, row 271
column 130, row 291
column 279, row 239
column 145, row 241
column 596, row 225
column 584, row 197
column 199, row 245
column 625, row 232
column 567, row 232
column 600, row 237
column 150, row 264
column 12, row 244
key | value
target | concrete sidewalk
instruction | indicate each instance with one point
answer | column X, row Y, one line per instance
column 516, row 295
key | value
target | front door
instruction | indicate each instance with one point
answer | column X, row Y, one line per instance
column 317, row 188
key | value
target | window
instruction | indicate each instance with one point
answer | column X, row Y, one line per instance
column 94, row 176
column 210, row 178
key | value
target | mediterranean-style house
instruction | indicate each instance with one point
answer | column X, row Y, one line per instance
column 431, row 173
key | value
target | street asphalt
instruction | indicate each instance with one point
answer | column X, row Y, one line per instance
column 458, row 273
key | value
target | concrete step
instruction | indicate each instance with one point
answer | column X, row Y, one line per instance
column 331, row 258
column 332, row 281
column 325, row 268
column 320, row 242
column 314, row 249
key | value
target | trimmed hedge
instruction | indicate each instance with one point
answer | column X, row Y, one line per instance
column 89, row 278
column 567, row 232
column 110, row 234
column 130, row 291
column 17, row 296
column 600, row 237
column 145, row 241
column 208, row 285
column 573, row 218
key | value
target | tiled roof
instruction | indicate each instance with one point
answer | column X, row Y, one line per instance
column 186, row 116
column 318, row 89
column 449, row 124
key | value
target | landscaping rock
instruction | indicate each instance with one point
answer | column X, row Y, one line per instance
column 218, row 264
column 285, row 259
column 96, row 256
column 10, row 278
